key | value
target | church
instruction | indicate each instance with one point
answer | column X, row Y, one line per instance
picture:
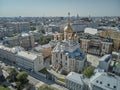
column 67, row 54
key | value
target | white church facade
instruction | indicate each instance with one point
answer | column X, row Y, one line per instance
column 67, row 54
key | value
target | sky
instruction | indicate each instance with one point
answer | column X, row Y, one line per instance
column 12, row 8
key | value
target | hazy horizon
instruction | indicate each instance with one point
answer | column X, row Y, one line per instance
column 46, row 8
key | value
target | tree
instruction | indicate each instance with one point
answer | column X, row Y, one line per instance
column 88, row 72
column 46, row 87
column 4, row 88
column 12, row 74
column 22, row 77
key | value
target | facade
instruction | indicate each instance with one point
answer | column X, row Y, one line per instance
column 24, row 40
column 104, row 81
column 18, row 27
column 74, row 81
column 7, row 53
column 1, row 71
column 67, row 55
column 115, row 35
column 105, row 61
column 29, row 61
column 95, row 44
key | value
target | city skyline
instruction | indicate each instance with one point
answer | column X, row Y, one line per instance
column 38, row 8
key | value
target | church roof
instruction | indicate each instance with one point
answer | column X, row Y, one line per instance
column 77, row 53
column 68, row 28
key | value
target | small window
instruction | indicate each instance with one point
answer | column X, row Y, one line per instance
column 65, row 63
column 108, row 84
column 114, row 86
column 56, row 55
column 66, row 57
column 61, row 56
column 100, row 82
column 97, row 81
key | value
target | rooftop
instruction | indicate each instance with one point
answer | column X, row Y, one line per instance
column 106, row 81
column 27, row 55
column 7, row 49
column 75, row 77
column 94, row 37
column 106, row 58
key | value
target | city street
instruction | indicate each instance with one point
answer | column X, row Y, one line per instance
column 35, row 78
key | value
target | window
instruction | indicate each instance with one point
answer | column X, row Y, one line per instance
column 114, row 86
column 97, row 81
column 65, row 63
column 100, row 82
column 61, row 56
column 108, row 84
column 56, row 55
column 66, row 57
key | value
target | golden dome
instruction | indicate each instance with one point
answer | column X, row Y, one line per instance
column 68, row 28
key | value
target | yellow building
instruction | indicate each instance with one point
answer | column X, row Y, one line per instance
column 114, row 35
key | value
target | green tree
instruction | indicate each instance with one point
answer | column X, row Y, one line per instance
column 12, row 74
column 88, row 72
column 22, row 77
column 4, row 88
column 46, row 87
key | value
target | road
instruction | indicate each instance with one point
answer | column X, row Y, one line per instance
column 35, row 77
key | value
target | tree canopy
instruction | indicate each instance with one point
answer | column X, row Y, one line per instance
column 46, row 87
column 88, row 72
column 12, row 74
column 22, row 77
column 4, row 88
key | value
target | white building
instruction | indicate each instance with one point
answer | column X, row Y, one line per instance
column 104, row 62
column 67, row 54
column 26, row 40
column 74, row 81
column 91, row 31
column 104, row 81
column 18, row 27
column 7, row 53
column 29, row 61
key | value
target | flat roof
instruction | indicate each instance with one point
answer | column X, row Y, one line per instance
column 106, row 58
column 27, row 55
column 75, row 77
column 107, row 81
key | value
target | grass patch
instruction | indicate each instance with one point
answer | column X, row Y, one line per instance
column 44, row 71
column 61, row 79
